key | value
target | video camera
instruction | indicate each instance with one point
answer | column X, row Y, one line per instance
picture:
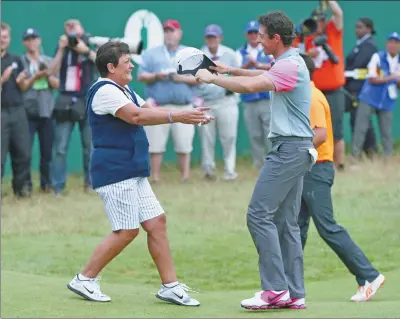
column 321, row 41
column 309, row 26
column 135, row 47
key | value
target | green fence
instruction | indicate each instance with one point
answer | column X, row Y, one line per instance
column 110, row 18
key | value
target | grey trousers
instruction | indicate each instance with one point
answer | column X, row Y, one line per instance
column 317, row 203
column 273, row 212
column 257, row 117
column 385, row 120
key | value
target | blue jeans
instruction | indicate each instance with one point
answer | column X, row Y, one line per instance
column 62, row 137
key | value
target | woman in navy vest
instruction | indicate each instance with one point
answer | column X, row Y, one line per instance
column 378, row 95
column 119, row 169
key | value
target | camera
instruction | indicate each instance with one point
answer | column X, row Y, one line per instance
column 135, row 46
column 321, row 41
column 72, row 40
column 42, row 66
column 308, row 27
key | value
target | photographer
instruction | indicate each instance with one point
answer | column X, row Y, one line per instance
column 74, row 61
column 15, row 138
column 38, row 100
column 329, row 76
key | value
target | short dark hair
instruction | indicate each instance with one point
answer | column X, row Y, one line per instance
column 277, row 22
column 309, row 63
column 110, row 52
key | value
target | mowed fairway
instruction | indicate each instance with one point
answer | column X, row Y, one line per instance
column 46, row 241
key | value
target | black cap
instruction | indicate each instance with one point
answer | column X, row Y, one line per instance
column 30, row 33
column 368, row 23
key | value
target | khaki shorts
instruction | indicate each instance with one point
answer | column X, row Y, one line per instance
column 182, row 134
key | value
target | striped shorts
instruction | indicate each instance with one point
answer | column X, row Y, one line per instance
column 129, row 203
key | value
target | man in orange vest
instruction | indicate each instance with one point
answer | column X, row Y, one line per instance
column 317, row 202
column 329, row 76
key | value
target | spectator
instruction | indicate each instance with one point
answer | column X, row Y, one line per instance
column 75, row 63
column 356, row 65
column 224, row 108
column 15, row 138
column 39, row 101
column 328, row 76
column 378, row 95
column 256, row 106
column 168, row 91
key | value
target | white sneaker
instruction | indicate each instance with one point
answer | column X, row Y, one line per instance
column 369, row 290
column 88, row 289
column 177, row 295
column 231, row 176
column 267, row 300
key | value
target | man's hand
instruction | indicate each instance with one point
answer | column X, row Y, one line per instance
column 7, row 73
column 204, row 76
column 252, row 61
column 313, row 52
column 41, row 74
column 220, row 68
column 393, row 76
column 194, row 116
column 81, row 47
column 21, row 77
column 63, row 42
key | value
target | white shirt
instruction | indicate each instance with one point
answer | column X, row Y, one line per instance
column 394, row 67
column 109, row 99
column 364, row 38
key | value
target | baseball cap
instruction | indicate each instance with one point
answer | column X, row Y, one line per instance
column 394, row 36
column 30, row 33
column 189, row 60
column 252, row 25
column 172, row 24
column 213, row 30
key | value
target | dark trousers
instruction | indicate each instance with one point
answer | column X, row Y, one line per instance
column 15, row 139
column 370, row 138
column 370, row 144
column 44, row 128
column 317, row 203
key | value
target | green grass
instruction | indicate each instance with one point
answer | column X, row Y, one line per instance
column 46, row 240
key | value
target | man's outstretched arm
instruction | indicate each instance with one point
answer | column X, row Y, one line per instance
column 244, row 84
column 281, row 77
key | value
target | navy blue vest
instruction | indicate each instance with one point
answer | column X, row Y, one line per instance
column 377, row 95
column 262, row 58
column 120, row 150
